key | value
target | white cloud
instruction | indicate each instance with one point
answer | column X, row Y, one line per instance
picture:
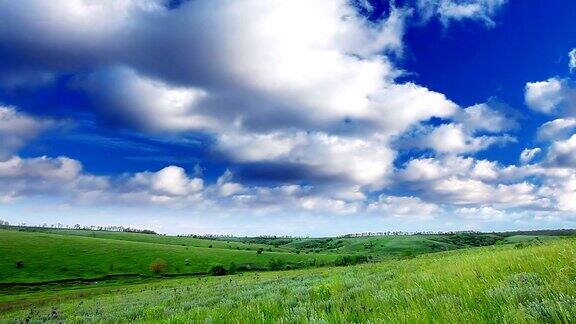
column 411, row 207
column 226, row 187
column 466, row 181
column 17, row 129
column 560, row 128
column 171, row 181
column 267, row 88
column 39, row 176
column 146, row 103
column 572, row 58
column 467, row 131
column 455, row 139
column 484, row 213
column 482, row 117
column 296, row 84
column 366, row 162
column 453, row 10
column 528, row 155
column 548, row 96
column 563, row 153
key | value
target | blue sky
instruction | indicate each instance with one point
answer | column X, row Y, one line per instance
column 271, row 117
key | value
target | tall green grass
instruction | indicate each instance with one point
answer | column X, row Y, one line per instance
column 497, row 284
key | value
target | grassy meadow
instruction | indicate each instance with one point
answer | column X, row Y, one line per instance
column 48, row 256
column 163, row 239
column 523, row 283
column 63, row 275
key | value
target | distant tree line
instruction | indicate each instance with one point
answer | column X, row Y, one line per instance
column 24, row 226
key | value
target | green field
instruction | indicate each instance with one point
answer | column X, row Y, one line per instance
column 528, row 283
column 47, row 256
column 163, row 239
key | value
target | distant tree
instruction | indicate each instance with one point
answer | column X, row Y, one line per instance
column 158, row 266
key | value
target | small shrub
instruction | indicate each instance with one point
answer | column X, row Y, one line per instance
column 244, row 267
column 232, row 268
column 260, row 250
column 19, row 264
column 158, row 266
column 210, row 246
column 350, row 259
column 187, row 262
column 217, row 270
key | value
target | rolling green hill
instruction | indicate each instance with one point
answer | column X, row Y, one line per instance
column 497, row 284
column 164, row 239
column 392, row 246
column 47, row 256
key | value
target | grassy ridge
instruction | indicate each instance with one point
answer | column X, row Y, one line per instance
column 378, row 245
column 162, row 239
column 494, row 284
column 50, row 257
column 394, row 246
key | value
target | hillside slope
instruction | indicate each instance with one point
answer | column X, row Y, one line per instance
column 164, row 239
column 47, row 257
column 498, row 284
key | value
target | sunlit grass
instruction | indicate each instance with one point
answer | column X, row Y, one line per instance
column 494, row 284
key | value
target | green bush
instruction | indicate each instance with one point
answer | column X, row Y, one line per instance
column 232, row 268
column 217, row 270
column 276, row 264
column 345, row 260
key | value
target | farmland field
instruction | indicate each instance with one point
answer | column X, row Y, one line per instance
column 522, row 283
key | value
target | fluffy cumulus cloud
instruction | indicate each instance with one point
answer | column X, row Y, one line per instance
column 43, row 176
column 471, row 130
column 454, row 139
column 563, row 152
column 560, row 128
column 467, row 181
column 552, row 96
column 307, row 89
column 403, row 207
column 556, row 169
column 366, row 162
column 231, row 75
column 17, row 129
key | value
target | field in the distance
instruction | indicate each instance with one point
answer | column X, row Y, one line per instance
column 49, row 256
column 526, row 282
